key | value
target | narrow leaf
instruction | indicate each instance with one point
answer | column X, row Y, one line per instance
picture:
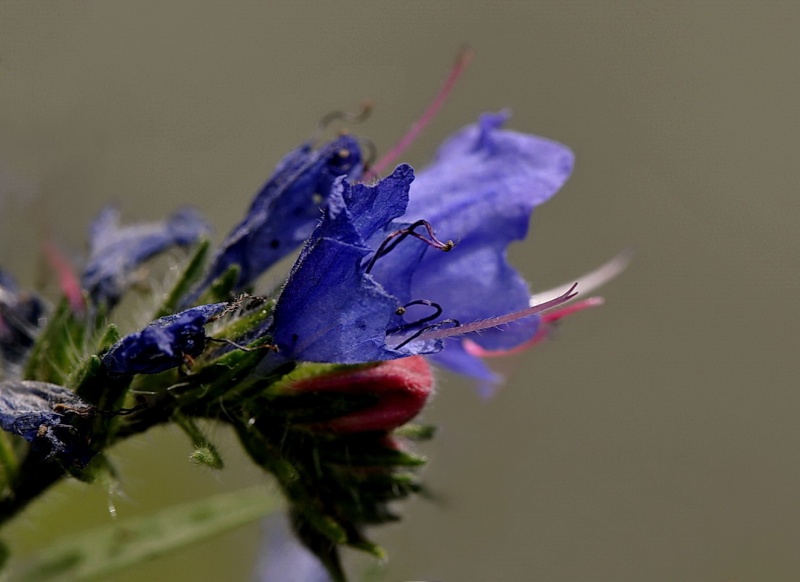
column 100, row 552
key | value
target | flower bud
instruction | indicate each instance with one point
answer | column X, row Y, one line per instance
column 401, row 387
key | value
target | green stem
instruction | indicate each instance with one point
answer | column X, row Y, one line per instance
column 9, row 465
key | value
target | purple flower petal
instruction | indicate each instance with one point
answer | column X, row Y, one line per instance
column 480, row 192
column 117, row 251
column 163, row 344
column 286, row 209
column 331, row 309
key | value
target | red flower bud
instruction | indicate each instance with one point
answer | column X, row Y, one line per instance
column 402, row 387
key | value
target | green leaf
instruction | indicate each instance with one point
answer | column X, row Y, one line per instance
column 100, row 552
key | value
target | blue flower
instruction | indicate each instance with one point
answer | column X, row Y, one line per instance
column 36, row 411
column 366, row 288
column 286, row 209
column 165, row 343
column 117, row 251
column 331, row 309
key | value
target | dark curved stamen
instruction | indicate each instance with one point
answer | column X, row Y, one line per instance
column 394, row 239
column 436, row 325
column 402, row 310
column 324, row 123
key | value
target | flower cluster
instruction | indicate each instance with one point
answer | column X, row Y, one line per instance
column 319, row 377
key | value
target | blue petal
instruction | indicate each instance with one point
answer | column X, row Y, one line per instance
column 330, row 309
column 286, row 210
column 480, row 192
column 163, row 344
column 117, row 251
column 455, row 358
column 36, row 411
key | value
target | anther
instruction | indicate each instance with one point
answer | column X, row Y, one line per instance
column 401, row 311
column 395, row 238
column 427, row 328
column 366, row 109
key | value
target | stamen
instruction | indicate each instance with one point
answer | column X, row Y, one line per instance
column 435, row 327
column 324, row 123
column 462, row 60
column 402, row 310
column 394, row 239
column 496, row 321
column 592, row 280
column 549, row 320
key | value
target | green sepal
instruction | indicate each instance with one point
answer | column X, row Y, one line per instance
column 100, row 552
column 253, row 311
column 99, row 470
column 54, row 353
column 205, row 452
column 222, row 287
column 108, row 339
column 191, row 274
column 416, row 432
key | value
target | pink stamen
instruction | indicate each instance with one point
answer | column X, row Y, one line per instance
column 67, row 279
column 548, row 319
column 462, row 60
column 500, row 320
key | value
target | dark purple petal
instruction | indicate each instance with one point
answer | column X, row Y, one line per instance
column 117, row 251
column 37, row 411
column 286, row 209
column 20, row 316
column 330, row 309
column 163, row 344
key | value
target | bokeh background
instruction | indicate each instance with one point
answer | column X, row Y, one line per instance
column 657, row 438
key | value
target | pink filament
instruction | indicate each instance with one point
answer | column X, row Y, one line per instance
column 67, row 279
column 500, row 320
column 462, row 60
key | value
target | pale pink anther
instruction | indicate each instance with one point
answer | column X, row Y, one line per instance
column 462, row 60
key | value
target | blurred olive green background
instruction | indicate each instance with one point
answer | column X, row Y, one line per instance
column 657, row 438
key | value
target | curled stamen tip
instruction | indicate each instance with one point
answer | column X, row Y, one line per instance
column 448, row 246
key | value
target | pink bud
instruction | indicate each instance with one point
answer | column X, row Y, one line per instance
column 402, row 387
